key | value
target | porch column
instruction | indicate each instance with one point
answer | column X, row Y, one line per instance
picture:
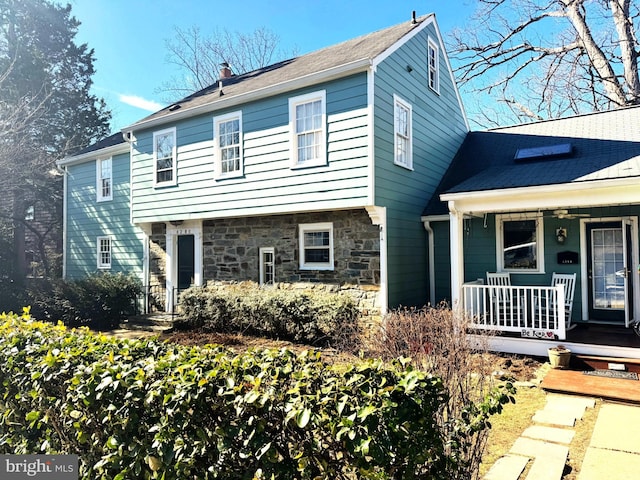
column 456, row 229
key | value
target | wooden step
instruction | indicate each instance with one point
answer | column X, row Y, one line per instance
column 590, row 362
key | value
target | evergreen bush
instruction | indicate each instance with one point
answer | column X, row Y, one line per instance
column 302, row 316
column 143, row 409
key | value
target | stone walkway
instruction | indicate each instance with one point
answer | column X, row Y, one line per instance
column 545, row 443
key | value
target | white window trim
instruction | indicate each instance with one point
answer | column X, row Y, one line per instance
column 293, row 102
column 104, row 266
column 99, row 196
column 216, row 146
column 315, row 227
column 174, row 170
column 263, row 251
column 399, row 102
column 433, row 45
column 539, row 242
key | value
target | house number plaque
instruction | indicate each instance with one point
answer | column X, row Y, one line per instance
column 184, row 231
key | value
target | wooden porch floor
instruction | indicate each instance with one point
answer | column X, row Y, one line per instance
column 598, row 334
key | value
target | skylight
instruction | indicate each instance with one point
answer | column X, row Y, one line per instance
column 543, row 152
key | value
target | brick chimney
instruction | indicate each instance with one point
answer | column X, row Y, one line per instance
column 225, row 71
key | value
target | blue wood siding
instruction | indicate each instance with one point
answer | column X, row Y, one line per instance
column 269, row 184
column 88, row 219
column 438, row 130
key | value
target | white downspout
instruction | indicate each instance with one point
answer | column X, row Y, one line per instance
column 65, row 191
column 430, row 261
column 456, row 228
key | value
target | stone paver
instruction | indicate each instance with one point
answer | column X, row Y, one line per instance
column 508, row 467
column 551, row 434
column 599, row 464
column 617, row 428
column 549, row 458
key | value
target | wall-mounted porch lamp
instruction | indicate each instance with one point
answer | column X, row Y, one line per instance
column 561, row 235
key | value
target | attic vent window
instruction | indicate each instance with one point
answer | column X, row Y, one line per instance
column 543, row 152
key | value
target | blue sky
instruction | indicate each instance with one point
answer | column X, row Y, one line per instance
column 128, row 36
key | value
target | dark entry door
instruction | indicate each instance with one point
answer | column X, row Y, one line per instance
column 609, row 271
column 186, row 265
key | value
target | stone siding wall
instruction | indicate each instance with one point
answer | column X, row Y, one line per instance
column 231, row 248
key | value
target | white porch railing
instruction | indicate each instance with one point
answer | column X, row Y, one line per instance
column 532, row 312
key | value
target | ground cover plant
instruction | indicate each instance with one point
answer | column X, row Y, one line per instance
column 148, row 409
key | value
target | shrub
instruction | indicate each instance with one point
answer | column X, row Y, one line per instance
column 310, row 317
column 100, row 301
column 436, row 340
column 143, row 409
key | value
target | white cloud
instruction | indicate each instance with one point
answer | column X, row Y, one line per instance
column 139, row 102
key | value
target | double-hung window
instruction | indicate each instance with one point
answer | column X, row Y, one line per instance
column 267, row 266
column 104, row 246
column 316, row 246
column 228, row 145
column 104, row 180
column 403, row 133
column 434, row 65
column 307, row 120
column 520, row 243
column 164, row 157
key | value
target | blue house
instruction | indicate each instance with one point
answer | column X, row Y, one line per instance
column 312, row 171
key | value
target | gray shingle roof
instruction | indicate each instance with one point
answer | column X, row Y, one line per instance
column 365, row 47
column 606, row 145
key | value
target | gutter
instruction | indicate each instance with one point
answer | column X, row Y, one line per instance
column 92, row 155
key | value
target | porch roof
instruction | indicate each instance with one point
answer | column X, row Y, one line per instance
column 605, row 146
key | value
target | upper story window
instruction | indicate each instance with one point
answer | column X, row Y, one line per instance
column 403, row 133
column 164, row 157
column 520, row 243
column 104, row 253
column 307, row 120
column 104, row 180
column 30, row 213
column 434, row 66
column 316, row 246
column 228, row 144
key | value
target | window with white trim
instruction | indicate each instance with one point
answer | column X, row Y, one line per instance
column 403, row 133
column 316, row 246
column 164, row 157
column 104, row 180
column 307, row 120
column 267, row 266
column 434, row 65
column 228, row 144
column 520, row 243
column 104, row 246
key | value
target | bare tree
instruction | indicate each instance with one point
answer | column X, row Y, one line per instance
column 198, row 57
column 548, row 58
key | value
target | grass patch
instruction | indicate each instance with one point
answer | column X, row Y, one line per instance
column 509, row 425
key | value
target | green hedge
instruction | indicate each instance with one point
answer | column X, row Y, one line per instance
column 144, row 409
column 100, row 301
column 316, row 318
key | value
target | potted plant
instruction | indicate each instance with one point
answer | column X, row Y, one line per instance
column 559, row 356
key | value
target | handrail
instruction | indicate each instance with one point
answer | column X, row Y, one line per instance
column 531, row 311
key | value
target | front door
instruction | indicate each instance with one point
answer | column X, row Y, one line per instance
column 186, row 264
column 610, row 289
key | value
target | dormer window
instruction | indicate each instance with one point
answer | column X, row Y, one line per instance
column 307, row 120
column 164, row 157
